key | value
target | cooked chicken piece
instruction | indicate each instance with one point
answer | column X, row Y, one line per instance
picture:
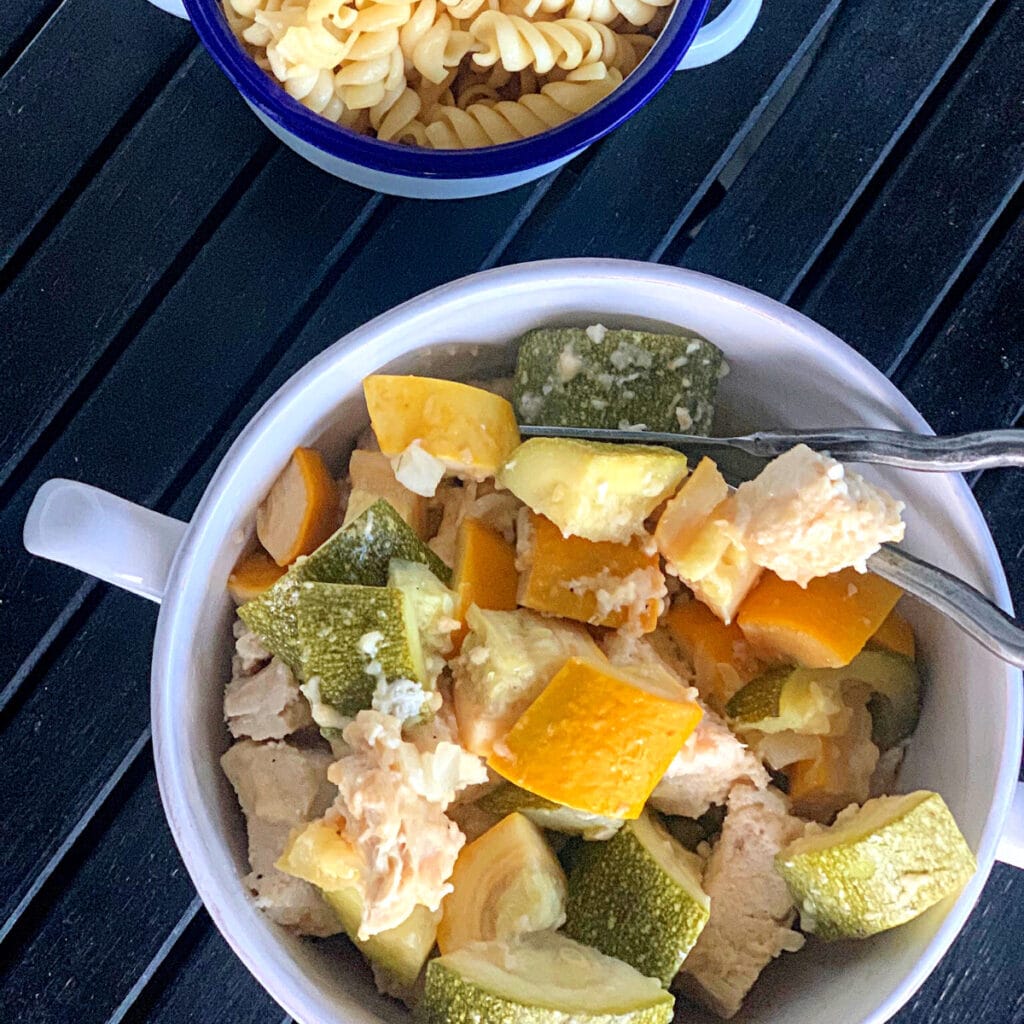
column 457, row 501
column 806, row 515
column 704, row 771
column 250, row 654
column 267, row 705
column 392, row 797
column 751, row 910
column 280, row 787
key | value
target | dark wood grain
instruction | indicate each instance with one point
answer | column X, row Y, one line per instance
column 90, row 70
column 79, row 956
column 877, row 65
column 672, row 153
column 82, row 290
column 972, row 375
column 935, row 211
column 135, row 433
column 204, row 973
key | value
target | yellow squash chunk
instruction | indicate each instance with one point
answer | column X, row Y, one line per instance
column 825, row 625
column 321, row 855
column 590, row 488
column 252, row 575
column 506, row 883
column 895, row 634
column 470, row 430
column 599, row 582
column 373, row 478
column 507, row 659
column 687, row 512
column 301, row 510
column 597, row 739
column 693, row 539
column 485, row 573
column 720, row 653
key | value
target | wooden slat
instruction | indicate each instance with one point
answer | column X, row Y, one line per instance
column 654, row 169
column 1001, row 496
column 877, row 65
column 84, row 287
column 972, row 376
column 92, row 69
column 910, row 246
column 19, row 20
column 79, row 958
column 204, row 974
column 182, row 371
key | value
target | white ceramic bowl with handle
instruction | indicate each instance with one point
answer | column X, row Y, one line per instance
column 786, row 372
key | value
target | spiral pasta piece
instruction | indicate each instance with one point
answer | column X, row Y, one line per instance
column 508, row 120
column 518, row 43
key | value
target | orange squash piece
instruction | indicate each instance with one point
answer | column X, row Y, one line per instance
column 720, row 653
column 896, row 635
column 824, row 625
column 485, row 573
column 598, row 582
column 253, row 574
column 597, row 739
column 301, row 511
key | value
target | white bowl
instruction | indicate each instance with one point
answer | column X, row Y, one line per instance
column 786, row 372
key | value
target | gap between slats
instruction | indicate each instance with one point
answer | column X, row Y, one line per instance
column 51, row 215
column 24, row 40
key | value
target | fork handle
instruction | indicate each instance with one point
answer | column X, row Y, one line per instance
column 968, row 608
column 953, row 453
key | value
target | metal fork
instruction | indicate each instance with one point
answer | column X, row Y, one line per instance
column 742, row 458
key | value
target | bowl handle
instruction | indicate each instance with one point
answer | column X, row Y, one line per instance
column 1011, row 844
column 103, row 535
column 722, row 35
column 171, row 7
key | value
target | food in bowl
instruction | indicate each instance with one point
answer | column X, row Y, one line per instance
column 557, row 727
column 448, row 75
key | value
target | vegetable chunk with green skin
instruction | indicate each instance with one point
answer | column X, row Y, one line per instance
column 350, row 637
column 358, row 553
column 599, row 491
column 509, row 799
column 638, row 897
column 539, row 978
column 609, row 378
column 878, row 866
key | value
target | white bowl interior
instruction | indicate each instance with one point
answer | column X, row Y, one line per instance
column 786, row 372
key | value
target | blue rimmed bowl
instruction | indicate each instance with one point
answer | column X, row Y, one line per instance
column 454, row 174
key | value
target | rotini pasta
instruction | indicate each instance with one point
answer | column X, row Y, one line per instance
column 507, row 121
column 447, row 74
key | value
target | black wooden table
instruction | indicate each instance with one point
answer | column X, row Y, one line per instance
column 165, row 265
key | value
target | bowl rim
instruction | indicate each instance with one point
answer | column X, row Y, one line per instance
column 171, row 649
column 269, row 99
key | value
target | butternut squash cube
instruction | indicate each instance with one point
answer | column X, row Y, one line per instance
column 599, row 582
column 485, row 573
column 720, row 653
column 301, row 509
column 372, row 478
column 597, row 739
column 470, row 430
column 824, row 625
column 253, row 574
column 895, row 634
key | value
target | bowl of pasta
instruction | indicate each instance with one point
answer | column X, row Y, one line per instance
column 440, row 99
